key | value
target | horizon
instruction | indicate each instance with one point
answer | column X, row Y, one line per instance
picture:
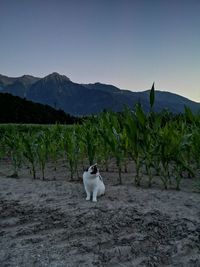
column 128, row 44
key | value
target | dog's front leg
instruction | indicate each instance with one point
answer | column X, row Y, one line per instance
column 94, row 195
column 88, row 194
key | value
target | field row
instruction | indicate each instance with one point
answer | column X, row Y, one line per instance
column 158, row 144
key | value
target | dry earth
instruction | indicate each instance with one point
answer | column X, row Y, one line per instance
column 49, row 223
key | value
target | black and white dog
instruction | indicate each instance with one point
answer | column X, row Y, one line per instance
column 93, row 183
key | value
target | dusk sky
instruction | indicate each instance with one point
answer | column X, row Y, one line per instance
column 127, row 43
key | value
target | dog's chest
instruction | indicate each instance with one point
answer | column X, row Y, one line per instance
column 90, row 183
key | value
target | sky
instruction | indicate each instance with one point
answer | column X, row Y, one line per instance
column 127, row 43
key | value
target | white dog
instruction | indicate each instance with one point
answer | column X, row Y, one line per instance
column 93, row 183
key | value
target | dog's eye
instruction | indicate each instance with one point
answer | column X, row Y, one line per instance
column 86, row 169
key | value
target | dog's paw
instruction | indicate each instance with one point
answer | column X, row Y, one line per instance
column 94, row 200
column 87, row 198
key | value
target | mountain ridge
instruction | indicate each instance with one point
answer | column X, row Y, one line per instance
column 14, row 109
column 60, row 92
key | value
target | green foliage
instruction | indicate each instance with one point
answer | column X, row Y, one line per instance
column 113, row 139
column 71, row 148
column 196, row 146
column 55, row 146
column 14, row 148
column 162, row 144
column 88, row 138
column 135, row 125
column 43, row 149
column 30, row 151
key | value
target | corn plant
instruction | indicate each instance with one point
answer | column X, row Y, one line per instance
column 149, row 150
column 113, row 136
column 103, row 147
column 14, row 147
column 179, row 143
column 152, row 97
column 165, row 150
column 42, row 149
column 71, row 148
column 55, row 146
column 172, row 144
column 117, row 146
column 30, row 151
column 88, row 138
column 196, row 146
column 135, row 124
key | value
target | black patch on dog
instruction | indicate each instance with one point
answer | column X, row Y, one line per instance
column 94, row 170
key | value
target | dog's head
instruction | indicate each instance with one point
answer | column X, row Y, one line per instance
column 93, row 170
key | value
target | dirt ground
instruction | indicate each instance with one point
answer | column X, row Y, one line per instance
column 49, row 223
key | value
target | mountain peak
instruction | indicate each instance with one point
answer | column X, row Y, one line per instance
column 57, row 76
column 27, row 76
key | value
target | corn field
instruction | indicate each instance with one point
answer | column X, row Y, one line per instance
column 159, row 145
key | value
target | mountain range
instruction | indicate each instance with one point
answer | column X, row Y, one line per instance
column 60, row 92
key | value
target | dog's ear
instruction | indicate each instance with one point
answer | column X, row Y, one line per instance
column 86, row 169
column 92, row 166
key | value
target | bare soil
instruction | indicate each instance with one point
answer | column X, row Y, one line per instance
column 49, row 223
